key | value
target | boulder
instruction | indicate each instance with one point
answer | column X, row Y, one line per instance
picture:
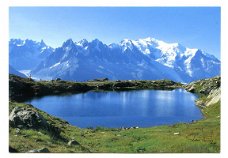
column 26, row 118
column 72, row 142
column 29, row 118
column 42, row 150
column 17, row 130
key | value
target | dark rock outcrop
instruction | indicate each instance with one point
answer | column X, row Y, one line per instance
column 12, row 150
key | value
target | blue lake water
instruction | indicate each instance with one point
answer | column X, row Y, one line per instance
column 143, row 108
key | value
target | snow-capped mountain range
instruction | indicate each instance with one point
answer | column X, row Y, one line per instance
column 27, row 54
column 146, row 59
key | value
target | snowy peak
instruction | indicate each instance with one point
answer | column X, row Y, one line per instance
column 126, row 44
column 171, row 48
column 158, row 44
column 150, row 45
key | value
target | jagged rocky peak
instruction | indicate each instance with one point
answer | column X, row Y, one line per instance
column 68, row 43
column 126, row 44
column 27, row 43
column 16, row 42
column 96, row 42
column 42, row 44
column 82, row 43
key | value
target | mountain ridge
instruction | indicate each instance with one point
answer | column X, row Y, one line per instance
column 146, row 58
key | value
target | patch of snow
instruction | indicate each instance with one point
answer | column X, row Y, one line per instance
column 79, row 44
column 25, row 72
column 187, row 62
column 21, row 44
column 142, row 46
column 203, row 62
column 190, row 52
column 126, row 44
column 67, row 49
column 56, row 64
column 101, row 67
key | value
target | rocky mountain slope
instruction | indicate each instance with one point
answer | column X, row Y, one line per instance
column 209, row 89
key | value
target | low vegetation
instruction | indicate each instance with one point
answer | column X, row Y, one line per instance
column 201, row 136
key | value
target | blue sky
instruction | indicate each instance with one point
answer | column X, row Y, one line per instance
column 194, row 27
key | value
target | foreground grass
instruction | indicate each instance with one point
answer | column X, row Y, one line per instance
column 199, row 137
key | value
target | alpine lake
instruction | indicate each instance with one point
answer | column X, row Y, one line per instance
column 117, row 109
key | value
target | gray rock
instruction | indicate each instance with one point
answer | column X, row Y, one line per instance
column 72, row 142
column 176, row 133
column 29, row 118
column 17, row 130
column 20, row 126
column 26, row 118
column 191, row 89
column 42, row 150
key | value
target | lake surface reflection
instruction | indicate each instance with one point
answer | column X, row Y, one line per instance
column 143, row 108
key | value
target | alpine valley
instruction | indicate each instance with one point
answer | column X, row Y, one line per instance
column 142, row 59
